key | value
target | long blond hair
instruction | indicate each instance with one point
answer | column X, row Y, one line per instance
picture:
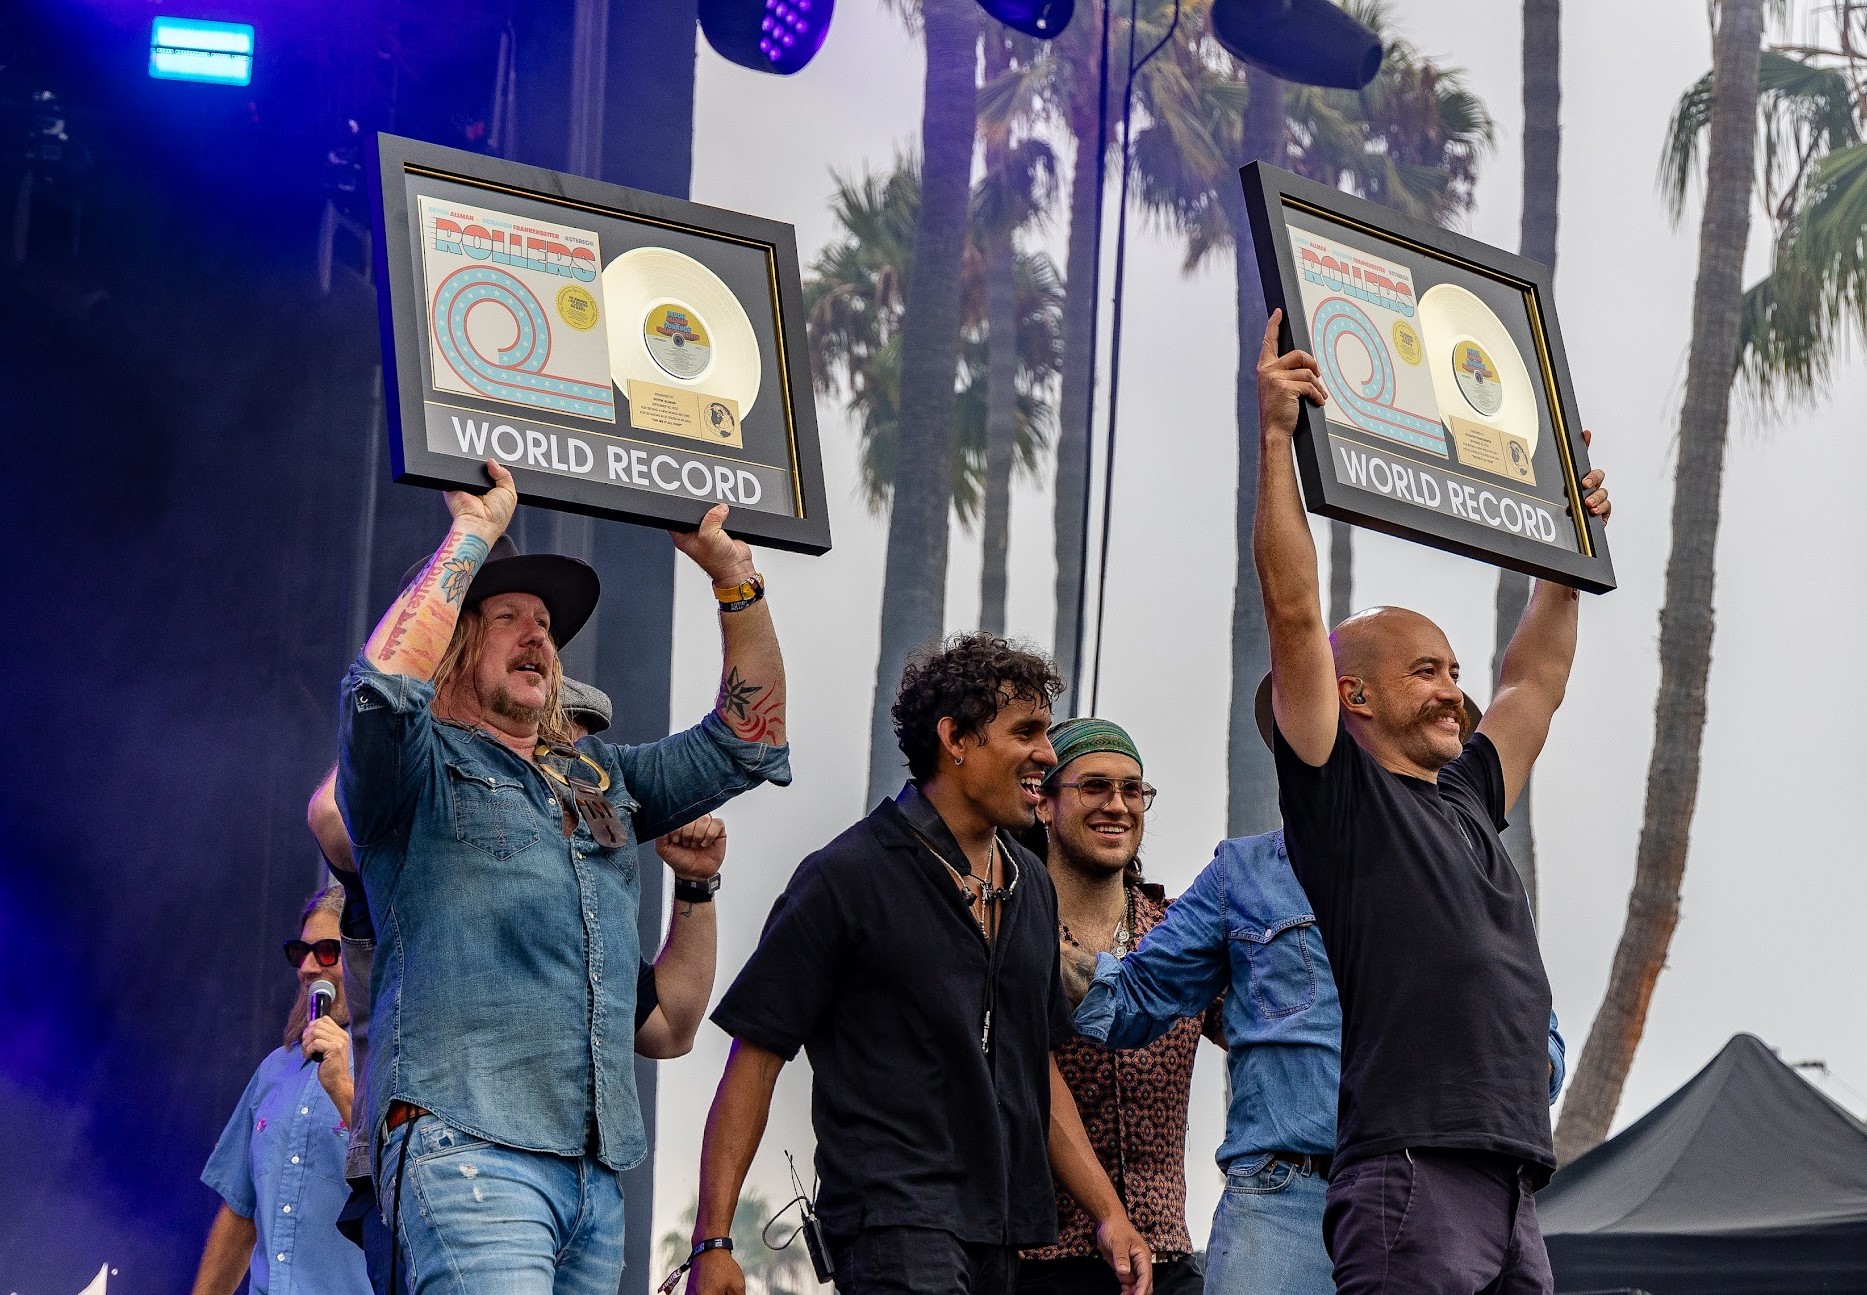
column 329, row 900
column 462, row 659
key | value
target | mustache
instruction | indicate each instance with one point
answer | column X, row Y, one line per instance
column 1437, row 710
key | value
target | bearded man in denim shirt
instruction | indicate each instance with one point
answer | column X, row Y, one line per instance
column 1246, row 927
column 500, row 866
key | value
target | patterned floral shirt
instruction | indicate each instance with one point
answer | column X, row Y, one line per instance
column 1133, row 1105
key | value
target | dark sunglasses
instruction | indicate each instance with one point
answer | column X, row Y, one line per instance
column 328, row 952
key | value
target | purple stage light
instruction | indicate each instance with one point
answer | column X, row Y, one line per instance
column 777, row 36
column 1044, row 19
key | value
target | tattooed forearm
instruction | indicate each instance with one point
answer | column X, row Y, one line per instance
column 754, row 712
column 413, row 636
column 458, row 571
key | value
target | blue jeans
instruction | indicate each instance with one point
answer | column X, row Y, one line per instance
column 1267, row 1233
column 474, row 1216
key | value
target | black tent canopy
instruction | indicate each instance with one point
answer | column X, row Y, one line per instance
column 1745, row 1181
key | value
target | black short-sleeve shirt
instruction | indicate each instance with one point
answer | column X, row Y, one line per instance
column 872, row 962
column 1445, row 1004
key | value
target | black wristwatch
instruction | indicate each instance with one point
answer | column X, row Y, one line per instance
column 696, row 892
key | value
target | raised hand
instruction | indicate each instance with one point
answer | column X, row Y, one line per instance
column 488, row 514
column 1284, row 381
column 725, row 559
column 1594, row 492
column 695, row 851
column 325, row 1036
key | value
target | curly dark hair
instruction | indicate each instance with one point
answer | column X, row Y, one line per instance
column 968, row 678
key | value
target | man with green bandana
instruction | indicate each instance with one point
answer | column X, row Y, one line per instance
column 1134, row 1103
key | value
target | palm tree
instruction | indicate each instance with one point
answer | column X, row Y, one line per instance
column 768, row 1271
column 1014, row 194
column 1686, row 618
column 1059, row 85
column 1536, row 239
column 854, row 310
column 1411, row 140
column 914, row 583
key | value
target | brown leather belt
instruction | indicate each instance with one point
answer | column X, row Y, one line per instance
column 401, row 1113
column 1318, row 1165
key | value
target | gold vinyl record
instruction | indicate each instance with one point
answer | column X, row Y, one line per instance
column 673, row 323
column 1482, row 383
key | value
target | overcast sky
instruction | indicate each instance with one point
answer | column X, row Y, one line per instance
column 1768, row 942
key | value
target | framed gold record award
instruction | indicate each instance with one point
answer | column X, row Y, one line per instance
column 1451, row 419
column 625, row 354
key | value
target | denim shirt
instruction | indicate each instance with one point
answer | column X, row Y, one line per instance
column 1245, row 927
column 503, row 990
column 280, row 1162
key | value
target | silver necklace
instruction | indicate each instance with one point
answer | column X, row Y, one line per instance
column 1124, row 929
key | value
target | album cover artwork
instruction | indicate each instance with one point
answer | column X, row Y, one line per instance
column 516, row 311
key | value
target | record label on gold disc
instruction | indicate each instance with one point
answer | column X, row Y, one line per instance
column 1477, row 376
column 677, row 339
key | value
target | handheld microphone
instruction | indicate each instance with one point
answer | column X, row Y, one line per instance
column 323, row 997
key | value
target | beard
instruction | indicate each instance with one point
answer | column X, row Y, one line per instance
column 1089, row 862
column 503, row 704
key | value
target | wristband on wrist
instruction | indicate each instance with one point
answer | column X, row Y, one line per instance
column 696, row 892
column 700, row 1247
column 736, row 598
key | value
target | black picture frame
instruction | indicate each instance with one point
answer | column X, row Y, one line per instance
column 1364, row 264
column 624, row 471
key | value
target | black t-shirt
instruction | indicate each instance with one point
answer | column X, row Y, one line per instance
column 873, row 963
column 1445, row 1004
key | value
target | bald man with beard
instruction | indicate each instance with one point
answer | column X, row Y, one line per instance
column 1392, row 813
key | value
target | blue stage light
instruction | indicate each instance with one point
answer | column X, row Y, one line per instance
column 778, row 36
column 1044, row 19
column 193, row 49
column 1311, row 42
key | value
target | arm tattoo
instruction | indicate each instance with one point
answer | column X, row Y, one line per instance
column 458, row 571
column 746, row 707
column 1078, row 968
column 453, row 571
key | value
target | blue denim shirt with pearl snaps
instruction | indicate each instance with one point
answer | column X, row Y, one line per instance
column 503, row 992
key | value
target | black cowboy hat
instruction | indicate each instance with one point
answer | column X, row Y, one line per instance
column 1468, row 722
column 568, row 587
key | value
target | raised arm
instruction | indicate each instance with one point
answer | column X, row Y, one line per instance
column 413, row 634
column 1303, row 691
column 327, row 825
column 1073, row 1161
column 1534, row 673
column 735, row 1126
column 684, row 968
column 751, row 698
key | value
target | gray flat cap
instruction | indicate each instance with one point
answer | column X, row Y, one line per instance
column 586, row 704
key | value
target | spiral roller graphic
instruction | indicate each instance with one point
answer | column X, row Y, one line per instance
column 517, row 372
column 1369, row 405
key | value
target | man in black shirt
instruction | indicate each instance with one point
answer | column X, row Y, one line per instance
column 1391, row 816
column 914, row 959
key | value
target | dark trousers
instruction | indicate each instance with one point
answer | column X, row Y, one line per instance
column 362, row 1222
column 1091, row 1276
column 921, row 1261
column 1435, row 1223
